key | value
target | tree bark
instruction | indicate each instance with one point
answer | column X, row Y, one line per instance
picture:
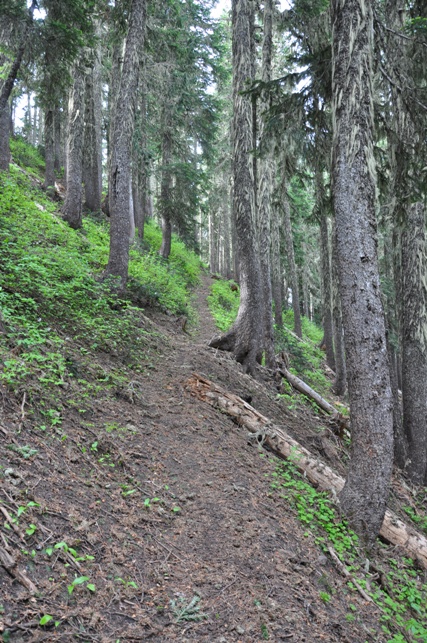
column 121, row 152
column 93, row 134
column 340, row 381
column 276, row 267
column 407, row 157
column 265, row 191
column 414, row 341
column 325, row 273
column 166, row 185
column 49, row 146
column 72, row 208
column 244, row 339
column 367, row 485
column 7, row 88
column 57, row 125
column 4, row 138
column 293, row 273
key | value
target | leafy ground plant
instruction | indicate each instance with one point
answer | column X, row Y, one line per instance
column 401, row 594
column 187, row 611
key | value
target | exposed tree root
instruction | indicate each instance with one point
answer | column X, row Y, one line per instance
column 393, row 529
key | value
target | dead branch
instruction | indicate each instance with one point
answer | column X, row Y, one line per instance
column 323, row 404
column 393, row 530
column 10, row 565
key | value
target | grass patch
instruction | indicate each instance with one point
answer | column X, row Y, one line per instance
column 26, row 155
column 224, row 303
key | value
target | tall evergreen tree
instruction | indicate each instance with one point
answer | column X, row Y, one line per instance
column 245, row 337
column 121, row 151
column 365, row 493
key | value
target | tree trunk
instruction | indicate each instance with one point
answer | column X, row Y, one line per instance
column 93, row 134
column 49, row 146
column 265, row 191
column 213, row 240
column 414, row 341
column 4, row 138
column 121, row 152
column 7, row 88
column 407, row 62
column 57, row 124
column 293, row 274
column 340, row 382
column 166, row 185
column 328, row 332
column 276, row 270
column 72, row 208
column 366, row 489
column 245, row 337
column 226, row 227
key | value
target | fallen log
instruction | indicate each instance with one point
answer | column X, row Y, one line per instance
column 393, row 530
column 305, row 389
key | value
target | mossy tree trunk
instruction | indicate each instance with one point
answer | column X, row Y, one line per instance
column 365, row 493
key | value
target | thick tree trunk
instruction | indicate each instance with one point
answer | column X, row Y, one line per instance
column 49, row 146
column 293, row 273
column 93, row 135
column 392, row 529
column 366, row 490
column 414, row 341
column 72, row 208
column 245, row 336
column 265, row 186
column 121, row 152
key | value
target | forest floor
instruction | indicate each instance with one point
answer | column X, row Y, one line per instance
column 155, row 519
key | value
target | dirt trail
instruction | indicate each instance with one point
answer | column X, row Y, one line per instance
column 173, row 503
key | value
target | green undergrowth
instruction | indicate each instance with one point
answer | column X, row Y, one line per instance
column 223, row 303
column 395, row 584
column 26, row 156
column 306, row 358
column 56, row 312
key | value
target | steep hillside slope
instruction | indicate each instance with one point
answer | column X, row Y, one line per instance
column 132, row 511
